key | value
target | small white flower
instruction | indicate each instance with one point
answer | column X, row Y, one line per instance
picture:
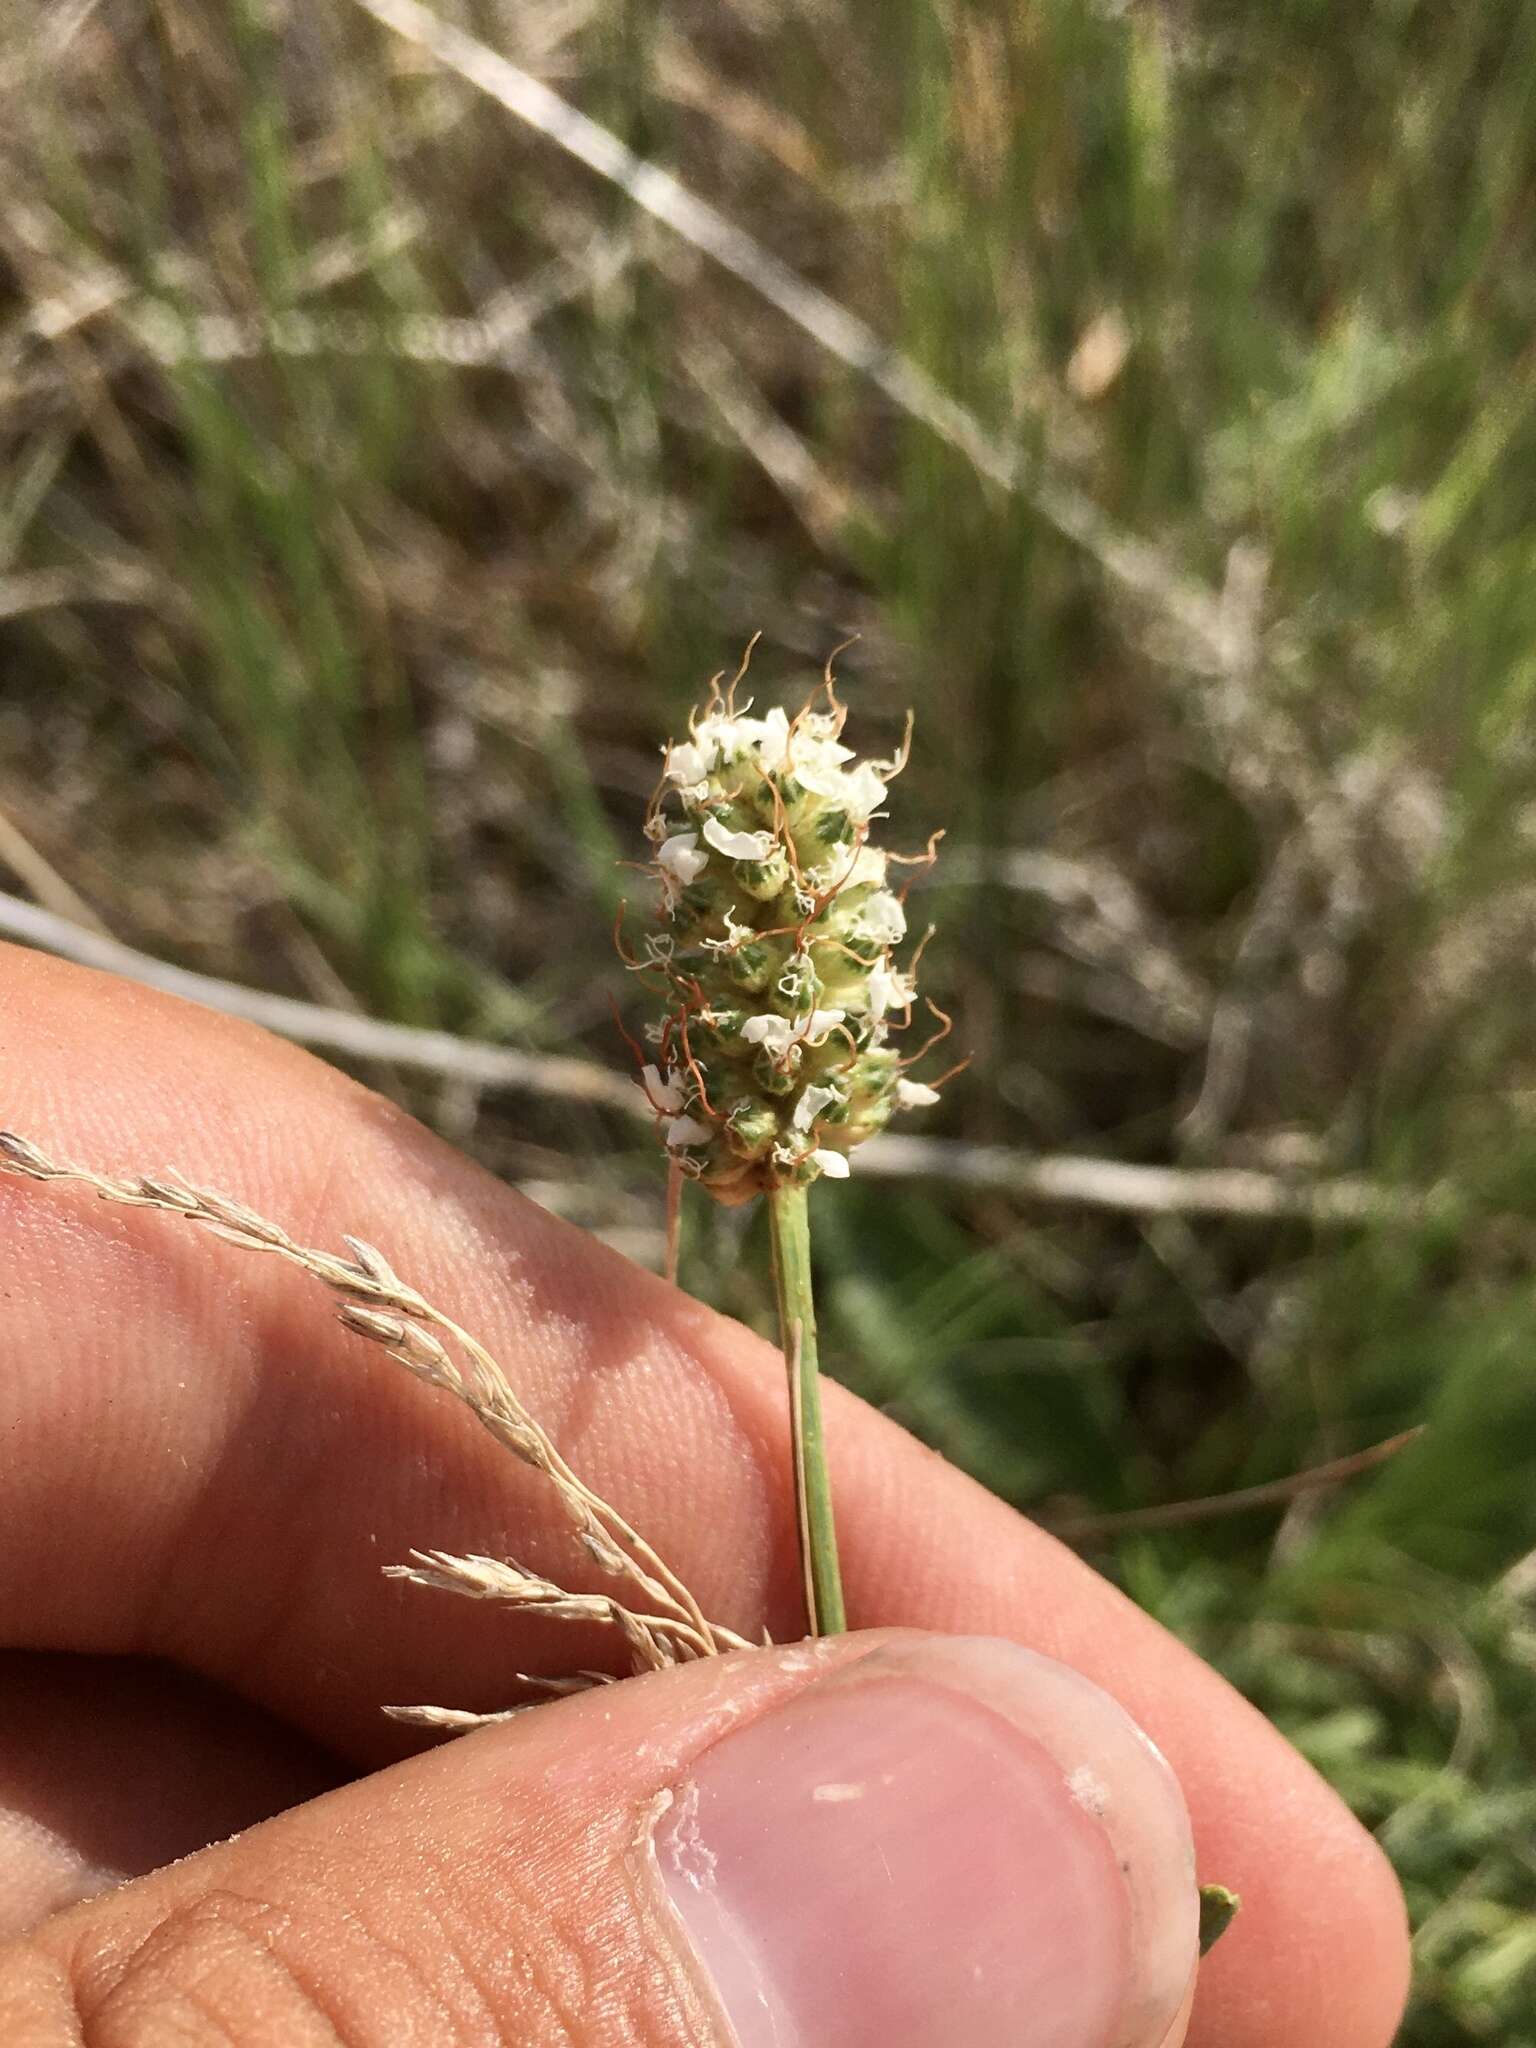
column 767, row 738
column 687, row 1130
column 773, row 740
column 689, row 761
column 833, row 1164
column 665, row 1095
column 814, row 744
column 857, row 791
column 819, row 1025
column 828, row 782
column 889, row 989
column 915, row 1094
column 813, row 1101
column 680, row 860
column 738, row 845
column 776, row 1033
column 863, row 791
column 819, row 767
column 881, row 919
column 780, row 1033
column 865, row 870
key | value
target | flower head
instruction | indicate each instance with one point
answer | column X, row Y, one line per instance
column 777, row 949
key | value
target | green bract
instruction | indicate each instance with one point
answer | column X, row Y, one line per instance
column 778, row 951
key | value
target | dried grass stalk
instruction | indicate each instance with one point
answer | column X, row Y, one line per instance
column 659, row 1620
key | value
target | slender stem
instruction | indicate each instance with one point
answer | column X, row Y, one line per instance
column 789, row 1220
column 674, row 1217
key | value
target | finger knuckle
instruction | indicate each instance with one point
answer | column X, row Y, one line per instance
column 37, row 2008
column 318, row 1967
column 219, row 1972
column 226, row 1971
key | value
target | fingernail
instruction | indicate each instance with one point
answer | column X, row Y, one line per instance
column 949, row 1840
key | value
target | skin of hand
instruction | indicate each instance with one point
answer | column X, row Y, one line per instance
column 892, row 1837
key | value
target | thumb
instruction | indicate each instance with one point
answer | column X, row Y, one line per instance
column 889, row 1839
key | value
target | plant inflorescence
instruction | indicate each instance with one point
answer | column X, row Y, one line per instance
column 776, row 950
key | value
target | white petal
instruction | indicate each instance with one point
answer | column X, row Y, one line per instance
column 866, row 869
column 864, row 791
column 779, row 1034
column 679, row 858
column 831, row 783
column 666, row 1095
column 818, row 1024
column 814, row 744
column 813, row 1101
column 687, row 1130
column 833, row 1164
column 732, row 737
column 773, row 740
column 730, row 732
column 776, row 1033
column 888, row 990
column 738, row 845
column 690, row 761
column 915, row 1094
column 882, row 919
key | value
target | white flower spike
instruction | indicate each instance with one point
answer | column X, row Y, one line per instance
column 779, row 923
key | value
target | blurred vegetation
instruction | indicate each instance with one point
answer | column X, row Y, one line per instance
column 377, row 488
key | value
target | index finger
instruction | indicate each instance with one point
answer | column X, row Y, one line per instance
column 201, row 1466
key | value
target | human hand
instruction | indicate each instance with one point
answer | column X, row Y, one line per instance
column 871, row 1840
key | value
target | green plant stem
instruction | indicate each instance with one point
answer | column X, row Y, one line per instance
column 790, row 1223
column 674, row 1219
